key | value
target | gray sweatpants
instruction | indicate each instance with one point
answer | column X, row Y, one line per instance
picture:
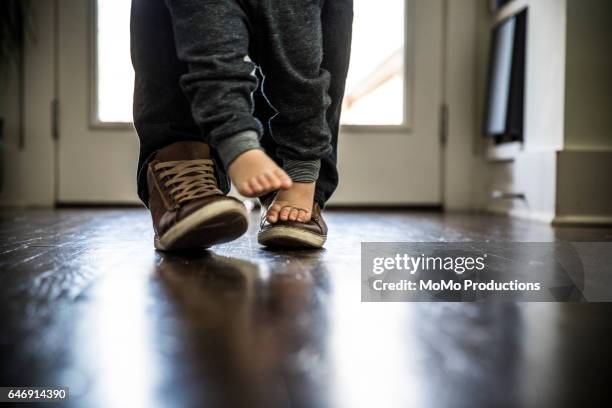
column 223, row 42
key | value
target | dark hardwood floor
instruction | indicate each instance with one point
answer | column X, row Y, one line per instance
column 87, row 303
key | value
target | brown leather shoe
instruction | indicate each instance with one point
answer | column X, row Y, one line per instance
column 188, row 209
column 292, row 234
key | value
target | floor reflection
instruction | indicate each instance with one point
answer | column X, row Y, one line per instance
column 122, row 349
column 255, row 335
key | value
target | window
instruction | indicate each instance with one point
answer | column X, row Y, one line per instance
column 375, row 86
column 114, row 73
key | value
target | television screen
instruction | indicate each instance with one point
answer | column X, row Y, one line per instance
column 504, row 105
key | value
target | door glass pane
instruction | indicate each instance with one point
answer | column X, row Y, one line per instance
column 375, row 85
column 114, row 71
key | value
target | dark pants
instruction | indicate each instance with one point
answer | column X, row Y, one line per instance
column 165, row 112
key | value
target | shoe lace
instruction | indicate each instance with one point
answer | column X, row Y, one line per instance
column 188, row 179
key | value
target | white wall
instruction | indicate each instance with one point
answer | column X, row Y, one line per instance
column 588, row 98
column 545, row 75
column 461, row 183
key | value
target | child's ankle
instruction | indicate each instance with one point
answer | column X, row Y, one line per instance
column 230, row 148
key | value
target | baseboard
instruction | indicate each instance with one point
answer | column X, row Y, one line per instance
column 583, row 220
column 549, row 218
column 543, row 217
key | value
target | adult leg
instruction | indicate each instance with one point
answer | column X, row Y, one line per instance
column 337, row 22
column 176, row 178
column 162, row 114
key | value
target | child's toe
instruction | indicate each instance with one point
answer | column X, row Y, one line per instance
column 245, row 190
column 303, row 216
column 284, row 179
column 272, row 217
column 293, row 214
column 272, row 214
column 255, row 186
column 263, row 182
column 274, row 181
column 284, row 214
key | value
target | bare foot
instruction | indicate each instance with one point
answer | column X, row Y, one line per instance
column 254, row 173
column 294, row 204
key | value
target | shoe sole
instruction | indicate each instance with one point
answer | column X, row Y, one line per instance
column 215, row 223
column 289, row 237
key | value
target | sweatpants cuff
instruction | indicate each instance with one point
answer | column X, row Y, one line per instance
column 302, row 171
column 232, row 147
